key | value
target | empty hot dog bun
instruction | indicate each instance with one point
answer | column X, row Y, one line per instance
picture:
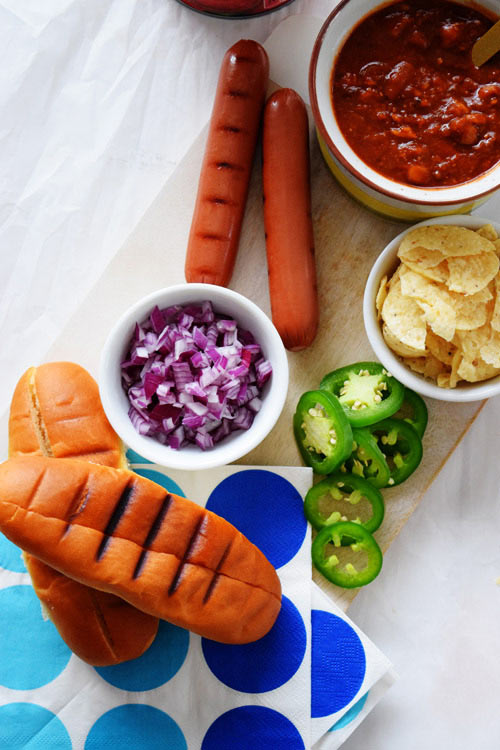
column 121, row 533
column 56, row 411
column 100, row 628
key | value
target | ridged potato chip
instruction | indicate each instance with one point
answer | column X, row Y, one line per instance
column 450, row 240
column 381, row 295
column 488, row 231
column 471, row 273
column 404, row 318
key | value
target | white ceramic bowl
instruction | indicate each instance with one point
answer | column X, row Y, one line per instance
column 385, row 264
column 235, row 445
column 379, row 193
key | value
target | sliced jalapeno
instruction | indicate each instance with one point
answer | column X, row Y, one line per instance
column 367, row 460
column 322, row 431
column 396, row 433
column 344, row 497
column 414, row 411
column 367, row 392
column 348, row 565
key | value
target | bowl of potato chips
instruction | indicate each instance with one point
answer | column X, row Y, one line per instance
column 432, row 308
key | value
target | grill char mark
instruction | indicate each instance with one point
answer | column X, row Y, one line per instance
column 216, row 575
column 185, row 557
column 115, row 518
column 152, row 534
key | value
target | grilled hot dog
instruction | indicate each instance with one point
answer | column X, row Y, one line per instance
column 287, row 219
column 227, row 164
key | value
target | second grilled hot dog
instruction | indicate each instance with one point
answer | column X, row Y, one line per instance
column 287, row 219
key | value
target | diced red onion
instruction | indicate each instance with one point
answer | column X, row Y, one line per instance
column 192, row 376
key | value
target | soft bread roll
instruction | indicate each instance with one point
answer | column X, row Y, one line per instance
column 116, row 531
column 100, row 628
column 56, row 411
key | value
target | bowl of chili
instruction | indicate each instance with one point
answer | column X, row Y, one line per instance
column 407, row 124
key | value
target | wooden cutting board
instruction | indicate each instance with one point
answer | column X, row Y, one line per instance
column 348, row 239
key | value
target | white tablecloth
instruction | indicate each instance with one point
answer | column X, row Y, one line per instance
column 100, row 99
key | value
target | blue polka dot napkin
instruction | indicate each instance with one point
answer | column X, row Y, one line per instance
column 306, row 684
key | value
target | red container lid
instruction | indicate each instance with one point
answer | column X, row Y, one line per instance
column 235, row 8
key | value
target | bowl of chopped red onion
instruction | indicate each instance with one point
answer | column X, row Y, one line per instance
column 193, row 376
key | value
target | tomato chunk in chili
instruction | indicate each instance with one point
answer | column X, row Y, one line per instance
column 409, row 100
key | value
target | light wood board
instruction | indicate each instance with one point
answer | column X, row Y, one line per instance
column 348, row 239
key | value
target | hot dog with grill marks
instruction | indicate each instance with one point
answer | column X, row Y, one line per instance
column 121, row 533
column 227, row 164
column 56, row 411
column 287, row 219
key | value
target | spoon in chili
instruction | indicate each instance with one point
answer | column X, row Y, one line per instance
column 487, row 45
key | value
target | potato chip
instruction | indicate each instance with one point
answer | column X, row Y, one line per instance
column 443, row 350
column 490, row 352
column 381, row 295
column 470, row 342
column 417, row 364
column 495, row 315
column 441, row 308
column 438, row 273
column 471, row 273
column 404, row 318
column 433, row 301
column 472, row 309
column 422, row 256
column 449, row 240
column 455, row 364
column 397, row 346
column 477, row 370
column 433, row 367
column 488, row 231
column 444, row 379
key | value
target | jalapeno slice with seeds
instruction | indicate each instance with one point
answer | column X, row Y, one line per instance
column 401, row 445
column 322, row 431
column 366, row 391
column 344, row 497
column 367, row 460
column 348, row 565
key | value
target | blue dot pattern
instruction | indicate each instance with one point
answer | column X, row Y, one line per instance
column 135, row 725
column 252, row 728
column 266, row 508
column 269, row 511
column 27, row 726
column 265, row 664
column 350, row 715
column 157, row 665
column 11, row 556
column 134, row 458
column 31, row 651
column 162, row 480
column 338, row 663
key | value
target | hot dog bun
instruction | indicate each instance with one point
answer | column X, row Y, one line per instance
column 100, row 628
column 56, row 411
column 121, row 533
